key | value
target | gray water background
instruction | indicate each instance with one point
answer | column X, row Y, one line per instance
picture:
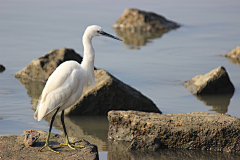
column 30, row 29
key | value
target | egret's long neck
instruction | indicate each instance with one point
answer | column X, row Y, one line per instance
column 88, row 58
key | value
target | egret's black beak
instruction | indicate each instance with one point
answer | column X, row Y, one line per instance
column 109, row 35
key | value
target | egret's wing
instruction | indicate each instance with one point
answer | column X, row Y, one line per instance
column 59, row 87
column 56, row 80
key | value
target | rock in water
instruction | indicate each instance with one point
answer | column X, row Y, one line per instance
column 137, row 27
column 215, row 82
column 141, row 21
column 199, row 130
column 234, row 55
column 2, row 68
column 41, row 68
column 110, row 94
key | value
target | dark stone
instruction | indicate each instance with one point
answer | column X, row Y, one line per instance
column 110, row 94
column 2, row 68
column 200, row 130
column 215, row 82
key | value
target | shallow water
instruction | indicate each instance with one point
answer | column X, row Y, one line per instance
column 30, row 29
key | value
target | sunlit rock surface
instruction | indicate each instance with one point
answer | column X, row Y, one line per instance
column 197, row 130
column 41, row 68
column 137, row 20
column 234, row 55
column 14, row 147
column 215, row 82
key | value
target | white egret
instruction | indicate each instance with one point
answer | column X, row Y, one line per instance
column 65, row 85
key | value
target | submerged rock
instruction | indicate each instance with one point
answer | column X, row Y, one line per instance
column 215, row 82
column 108, row 94
column 200, row 130
column 234, row 55
column 13, row 147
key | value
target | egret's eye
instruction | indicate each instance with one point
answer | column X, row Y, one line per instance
column 98, row 31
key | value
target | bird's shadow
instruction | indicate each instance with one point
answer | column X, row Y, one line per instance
column 42, row 143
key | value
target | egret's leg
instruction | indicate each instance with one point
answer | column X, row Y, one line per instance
column 70, row 145
column 49, row 133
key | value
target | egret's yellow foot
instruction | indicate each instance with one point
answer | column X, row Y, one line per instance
column 50, row 147
column 71, row 145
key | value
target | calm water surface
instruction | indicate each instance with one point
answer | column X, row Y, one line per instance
column 30, row 29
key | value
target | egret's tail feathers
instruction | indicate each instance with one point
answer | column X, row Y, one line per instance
column 35, row 114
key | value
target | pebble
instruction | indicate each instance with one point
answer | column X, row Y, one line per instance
column 31, row 136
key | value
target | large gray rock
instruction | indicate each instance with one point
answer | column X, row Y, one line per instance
column 13, row 147
column 205, row 131
column 215, row 82
column 108, row 94
column 234, row 55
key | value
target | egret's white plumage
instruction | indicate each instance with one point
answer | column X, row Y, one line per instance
column 65, row 85
column 63, row 88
